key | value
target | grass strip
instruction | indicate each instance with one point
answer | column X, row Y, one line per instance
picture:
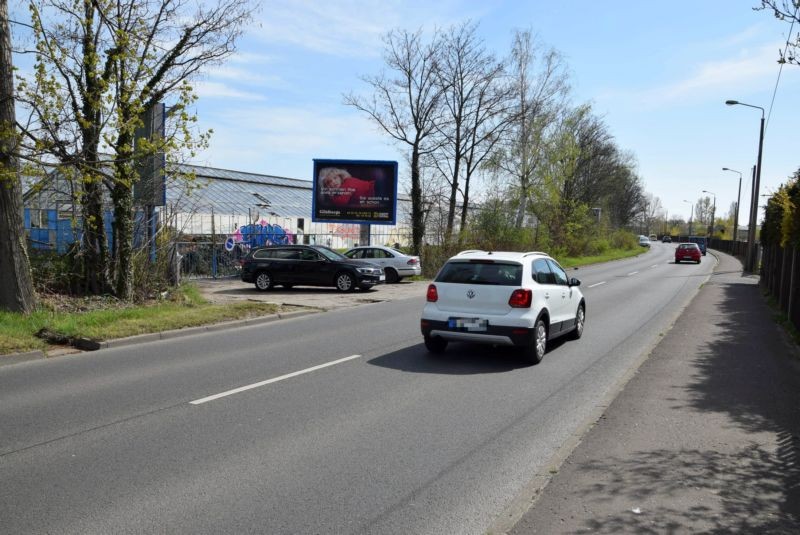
column 612, row 254
column 17, row 332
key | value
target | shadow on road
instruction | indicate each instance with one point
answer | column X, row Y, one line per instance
column 744, row 375
column 458, row 359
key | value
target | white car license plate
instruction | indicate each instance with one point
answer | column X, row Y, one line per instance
column 382, row 277
column 468, row 324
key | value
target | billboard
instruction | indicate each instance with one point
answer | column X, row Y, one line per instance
column 355, row 191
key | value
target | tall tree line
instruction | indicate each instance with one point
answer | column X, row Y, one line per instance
column 467, row 114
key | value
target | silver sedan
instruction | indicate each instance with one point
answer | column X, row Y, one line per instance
column 396, row 264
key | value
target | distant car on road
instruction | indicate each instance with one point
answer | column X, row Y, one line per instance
column 396, row 264
column 701, row 241
column 307, row 265
column 502, row 298
column 644, row 241
column 666, row 239
column 653, row 237
column 687, row 251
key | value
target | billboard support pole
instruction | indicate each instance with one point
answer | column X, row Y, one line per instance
column 364, row 234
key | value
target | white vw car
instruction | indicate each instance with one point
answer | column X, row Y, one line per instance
column 502, row 298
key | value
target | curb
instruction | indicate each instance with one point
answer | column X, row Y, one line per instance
column 188, row 331
column 16, row 358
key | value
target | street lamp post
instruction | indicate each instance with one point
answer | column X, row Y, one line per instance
column 691, row 215
column 738, row 196
column 713, row 214
column 751, row 238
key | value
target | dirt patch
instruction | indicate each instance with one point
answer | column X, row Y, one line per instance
column 232, row 290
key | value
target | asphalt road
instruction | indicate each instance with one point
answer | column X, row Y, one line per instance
column 244, row 431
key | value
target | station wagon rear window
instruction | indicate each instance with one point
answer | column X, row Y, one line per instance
column 477, row 272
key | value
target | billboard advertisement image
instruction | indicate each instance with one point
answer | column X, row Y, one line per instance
column 355, row 191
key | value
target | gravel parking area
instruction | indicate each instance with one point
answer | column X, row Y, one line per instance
column 230, row 290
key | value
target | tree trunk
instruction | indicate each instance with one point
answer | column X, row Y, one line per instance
column 94, row 241
column 123, row 230
column 451, row 207
column 125, row 176
column 94, row 244
column 417, row 210
column 16, row 283
column 464, row 210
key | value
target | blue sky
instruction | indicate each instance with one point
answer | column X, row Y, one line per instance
column 658, row 72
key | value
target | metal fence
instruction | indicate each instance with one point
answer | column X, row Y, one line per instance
column 217, row 259
column 780, row 277
column 734, row 248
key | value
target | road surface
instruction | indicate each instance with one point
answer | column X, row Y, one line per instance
column 339, row 422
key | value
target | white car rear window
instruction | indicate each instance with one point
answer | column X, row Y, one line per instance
column 481, row 272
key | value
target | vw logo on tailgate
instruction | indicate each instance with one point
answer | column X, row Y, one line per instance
column 470, row 293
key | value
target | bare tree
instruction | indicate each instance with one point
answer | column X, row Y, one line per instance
column 787, row 11
column 702, row 212
column 652, row 209
column 476, row 104
column 16, row 284
column 160, row 47
column 407, row 106
column 539, row 82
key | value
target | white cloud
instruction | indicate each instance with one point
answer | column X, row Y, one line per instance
column 250, row 58
column 751, row 67
column 209, row 89
column 246, row 76
column 350, row 27
column 284, row 140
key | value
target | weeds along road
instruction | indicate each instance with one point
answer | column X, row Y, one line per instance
column 339, row 422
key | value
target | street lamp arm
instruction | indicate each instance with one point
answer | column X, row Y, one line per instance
column 736, row 102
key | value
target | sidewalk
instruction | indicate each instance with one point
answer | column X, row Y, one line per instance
column 704, row 438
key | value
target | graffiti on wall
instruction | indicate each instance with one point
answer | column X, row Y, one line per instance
column 258, row 234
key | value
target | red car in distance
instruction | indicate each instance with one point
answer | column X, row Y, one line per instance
column 687, row 251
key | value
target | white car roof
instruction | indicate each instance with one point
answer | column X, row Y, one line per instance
column 498, row 255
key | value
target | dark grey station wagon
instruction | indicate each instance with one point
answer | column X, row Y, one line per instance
column 307, row 265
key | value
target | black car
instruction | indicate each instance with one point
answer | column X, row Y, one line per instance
column 307, row 265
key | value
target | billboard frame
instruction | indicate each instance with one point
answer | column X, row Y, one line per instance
column 319, row 163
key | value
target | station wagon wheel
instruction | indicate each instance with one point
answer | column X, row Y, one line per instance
column 534, row 353
column 263, row 281
column 344, row 282
column 391, row 276
column 580, row 320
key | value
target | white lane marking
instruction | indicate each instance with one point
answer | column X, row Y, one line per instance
column 632, row 273
column 596, row 284
column 651, row 267
column 273, row 380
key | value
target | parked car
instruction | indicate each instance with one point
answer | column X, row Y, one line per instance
column 701, row 241
column 502, row 298
column 666, row 239
column 644, row 241
column 307, row 265
column 396, row 264
column 687, row 251
column 653, row 237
